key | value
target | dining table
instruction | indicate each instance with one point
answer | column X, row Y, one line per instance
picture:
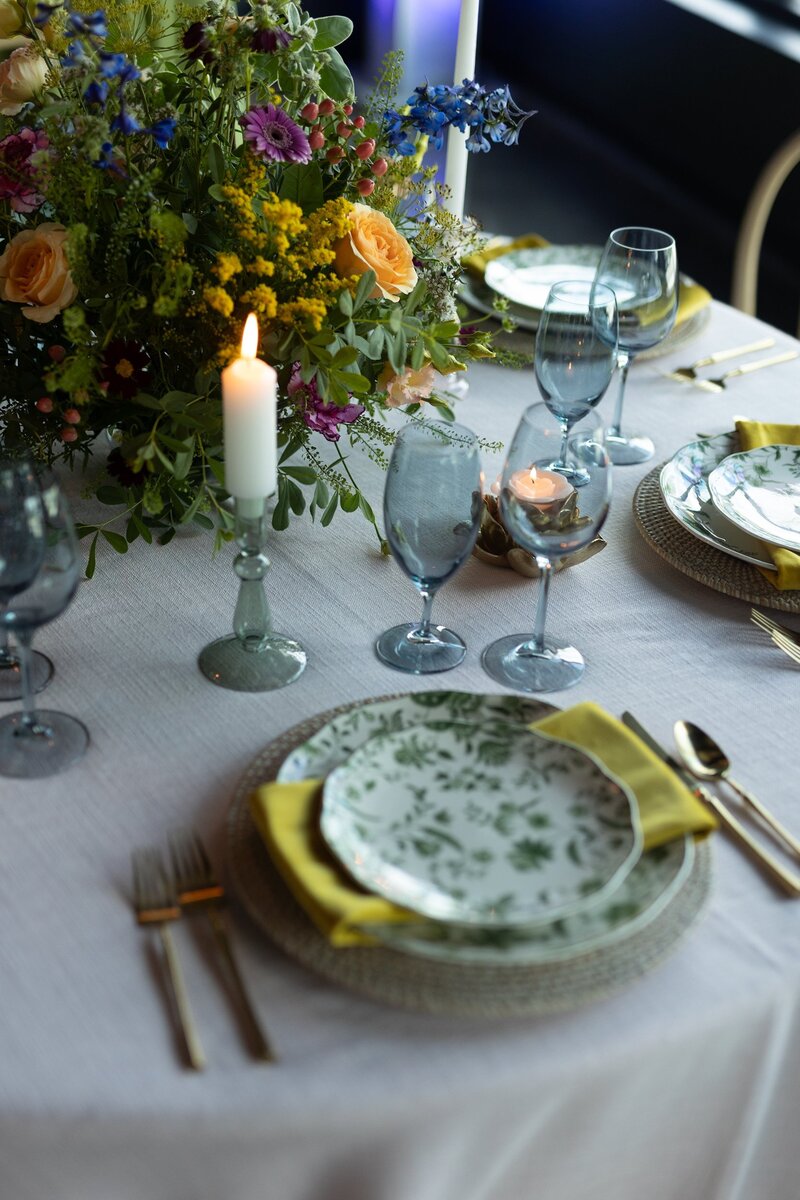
column 683, row 1083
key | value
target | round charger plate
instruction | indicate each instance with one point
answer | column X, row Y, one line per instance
column 426, row 985
column 685, row 487
column 759, row 491
column 704, row 563
column 480, row 823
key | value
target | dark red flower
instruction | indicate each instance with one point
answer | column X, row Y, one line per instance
column 196, row 43
column 125, row 368
column 267, row 41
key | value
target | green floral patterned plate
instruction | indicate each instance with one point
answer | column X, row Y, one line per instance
column 657, row 877
column 759, row 490
column 684, row 485
column 339, row 737
column 480, row 824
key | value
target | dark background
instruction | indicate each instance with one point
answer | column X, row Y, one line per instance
column 647, row 115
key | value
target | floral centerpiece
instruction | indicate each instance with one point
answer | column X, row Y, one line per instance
column 165, row 172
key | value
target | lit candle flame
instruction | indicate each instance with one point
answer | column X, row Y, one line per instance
column 533, row 474
column 250, row 337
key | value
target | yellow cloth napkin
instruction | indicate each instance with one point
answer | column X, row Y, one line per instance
column 691, row 300
column 287, row 817
column 752, row 435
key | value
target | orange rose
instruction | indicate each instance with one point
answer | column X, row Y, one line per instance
column 374, row 244
column 409, row 388
column 34, row 271
column 22, row 75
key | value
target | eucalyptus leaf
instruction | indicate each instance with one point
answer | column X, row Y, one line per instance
column 366, row 286
column 349, row 501
column 335, row 78
column 302, row 183
column 327, row 516
column 301, row 474
column 332, row 31
column 116, row 541
column 110, row 494
column 91, row 561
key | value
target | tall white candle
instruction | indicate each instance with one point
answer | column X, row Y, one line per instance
column 250, row 424
column 457, row 154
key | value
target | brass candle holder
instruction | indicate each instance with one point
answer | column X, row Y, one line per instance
column 496, row 546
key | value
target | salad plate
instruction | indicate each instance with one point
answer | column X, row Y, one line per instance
column 684, row 483
column 759, row 492
column 483, row 824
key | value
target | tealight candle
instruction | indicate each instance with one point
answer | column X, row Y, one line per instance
column 250, row 425
column 539, row 486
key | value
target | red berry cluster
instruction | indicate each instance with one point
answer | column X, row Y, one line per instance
column 70, row 416
column 335, row 127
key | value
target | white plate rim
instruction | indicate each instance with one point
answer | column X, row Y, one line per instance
column 775, row 536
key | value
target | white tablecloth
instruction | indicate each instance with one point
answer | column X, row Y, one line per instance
column 685, row 1085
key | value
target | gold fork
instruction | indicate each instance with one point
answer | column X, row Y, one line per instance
column 156, row 904
column 769, row 626
column 787, row 645
column 719, row 385
column 690, row 373
column 199, row 889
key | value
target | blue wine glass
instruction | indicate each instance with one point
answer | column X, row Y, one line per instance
column 641, row 266
column 38, row 579
column 576, row 350
column 432, row 509
column 547, row 516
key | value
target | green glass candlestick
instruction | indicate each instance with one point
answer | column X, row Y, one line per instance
column 253, row 658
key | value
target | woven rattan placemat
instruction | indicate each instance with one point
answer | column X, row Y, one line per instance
column 423, row 984
column 697, row 559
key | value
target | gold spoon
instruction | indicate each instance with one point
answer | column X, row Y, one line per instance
column 706, row 759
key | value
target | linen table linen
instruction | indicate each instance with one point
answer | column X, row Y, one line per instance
column 686, row 1084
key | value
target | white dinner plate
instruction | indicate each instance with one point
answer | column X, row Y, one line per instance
column 338, row 738
column 759, row 491
column 655, row 879
column 684, row 486
column 525, row 276
column 480, row 824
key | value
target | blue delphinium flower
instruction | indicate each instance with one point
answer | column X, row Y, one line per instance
column 162, row 131
column 125, row 122
column 96, row 92
column 44, row 12
column 485, row 116
column 91, row 24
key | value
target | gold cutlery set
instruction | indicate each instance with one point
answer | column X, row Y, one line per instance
column 787, row 640
column 161, row 895
column 705, row 760
column 689, row 374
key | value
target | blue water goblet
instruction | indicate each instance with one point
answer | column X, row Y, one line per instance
column 432, row 510
column 640, row 265
column 546, row 515
column 37, row 582
column 576, row 350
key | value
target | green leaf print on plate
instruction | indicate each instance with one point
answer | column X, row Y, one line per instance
column 526, row 831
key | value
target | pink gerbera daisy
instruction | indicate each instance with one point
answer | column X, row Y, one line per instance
column 274, row 135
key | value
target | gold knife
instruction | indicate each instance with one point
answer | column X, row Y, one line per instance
column 780, row 874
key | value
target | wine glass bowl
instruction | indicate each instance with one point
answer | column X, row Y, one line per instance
column 576, row 351
column 641, row 266
column 35, row 743
column 546, row 515
column 432, row 509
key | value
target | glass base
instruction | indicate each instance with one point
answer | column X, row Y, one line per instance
column 402, row 648
column 626, row 451
column 11, row 679
column 509, row 661
column 58, row 742
column 228, row 664
column 577, row 476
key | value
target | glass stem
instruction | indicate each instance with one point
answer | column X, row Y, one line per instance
column 536, row 645
column 423, row 633
column 562, row 456
column 8, row 660
column 29, row 725
column 623, row 362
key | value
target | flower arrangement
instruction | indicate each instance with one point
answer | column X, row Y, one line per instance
column 162, row 174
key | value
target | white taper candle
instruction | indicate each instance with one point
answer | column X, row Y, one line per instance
column 455, row 176
column 250, row 425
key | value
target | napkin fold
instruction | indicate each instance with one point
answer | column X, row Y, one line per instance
column 753, row 435
column 692, row 297
column 287, row 817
